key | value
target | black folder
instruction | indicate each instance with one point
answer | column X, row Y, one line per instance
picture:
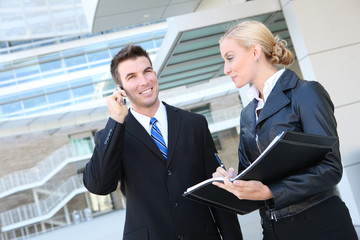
column 288, row 153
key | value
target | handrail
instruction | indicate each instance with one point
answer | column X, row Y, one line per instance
column 44, row 170
column 45, row 209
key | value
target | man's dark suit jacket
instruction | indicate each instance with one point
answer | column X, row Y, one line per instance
column 152, row 185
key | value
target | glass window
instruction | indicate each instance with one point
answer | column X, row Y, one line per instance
column 3, row 44
column 97, row 56
column 47, row 57
column 118, row 42
column 69, row 39
column 17, row 43
column 26, row 61
column 57, row 87
column 96, row 46
column 83, row 94
column 32, row 92
column 139, row 37
column 53, row 65
column 159, row 33
column 8, row 97
column 158, row 42
column 147, row 45
column 10, row 109
column 59, row 99
column 35, row 102
column 103, row 89
column 26, row 71
column 80, row 81
column 6, row 75
column 72, row 52
column 74, row 61
column 114, row 51
column 29, row 79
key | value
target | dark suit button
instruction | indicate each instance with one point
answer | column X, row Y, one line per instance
column 180, row 237
column 169, row 172
column 175, row 205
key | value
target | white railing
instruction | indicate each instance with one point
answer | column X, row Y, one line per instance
column 46, row 208
column 43, row 171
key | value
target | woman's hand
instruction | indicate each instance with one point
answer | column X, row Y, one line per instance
column 220, row 172
column 250, row 190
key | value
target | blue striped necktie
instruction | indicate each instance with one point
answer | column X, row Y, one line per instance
column 158, row 138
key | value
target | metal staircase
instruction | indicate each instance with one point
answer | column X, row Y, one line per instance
column 43, row 171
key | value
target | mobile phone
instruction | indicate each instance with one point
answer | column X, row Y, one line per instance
column 123, row 98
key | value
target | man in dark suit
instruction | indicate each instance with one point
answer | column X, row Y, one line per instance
column 153, row 178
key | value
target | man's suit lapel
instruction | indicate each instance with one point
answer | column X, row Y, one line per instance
column 277, row 98
column 134, row 128
column 173, row 118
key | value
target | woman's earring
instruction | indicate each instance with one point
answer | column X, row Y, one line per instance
column 257, row 60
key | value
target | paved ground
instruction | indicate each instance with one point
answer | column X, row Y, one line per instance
column 110, row 227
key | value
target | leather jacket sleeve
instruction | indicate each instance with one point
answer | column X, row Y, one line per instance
column 316, row 112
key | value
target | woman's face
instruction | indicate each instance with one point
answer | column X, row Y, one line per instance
column 240, row 62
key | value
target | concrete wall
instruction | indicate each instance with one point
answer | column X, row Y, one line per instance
column 327, row 42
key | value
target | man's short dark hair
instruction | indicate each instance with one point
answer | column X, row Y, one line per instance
column 130, row 51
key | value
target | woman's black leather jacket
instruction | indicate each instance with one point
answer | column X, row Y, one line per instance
column 300, row 106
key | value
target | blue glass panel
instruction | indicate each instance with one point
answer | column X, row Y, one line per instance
column 26, row 71
column 6, row 75
column 32, row 92
column 100, row 64
column 147, row 44
column 158, row 42
column 72, row 52
column 105, row 87
column 47, row 43
column 53, row 65
column 17, row 43
column 29, row 79
column 74, row 61
column 10, row 108
column 47, row 57
column 80, row 81
column 58, row 99
column 68, row 39
column 77, row 69
column 159, row 33
column 85, row 93
column 56, row 87
column 114, row 51
column 9, row 97
column 96, row 56
column 35, row 102
column 47, row 75
column 118, row 42
column 3, row 44
column 96, row 46
column 25, row 62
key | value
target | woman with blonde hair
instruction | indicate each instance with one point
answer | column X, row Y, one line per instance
column 303, row 205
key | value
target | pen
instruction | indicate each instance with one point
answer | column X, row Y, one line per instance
column 219, row 161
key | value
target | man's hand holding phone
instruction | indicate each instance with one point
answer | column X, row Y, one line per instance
column 117, row 105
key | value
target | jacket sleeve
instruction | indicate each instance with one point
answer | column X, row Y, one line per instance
column 103, row 171
column 316, row 112
column 227, row 222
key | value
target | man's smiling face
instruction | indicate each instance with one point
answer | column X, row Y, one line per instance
column 140, row 83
